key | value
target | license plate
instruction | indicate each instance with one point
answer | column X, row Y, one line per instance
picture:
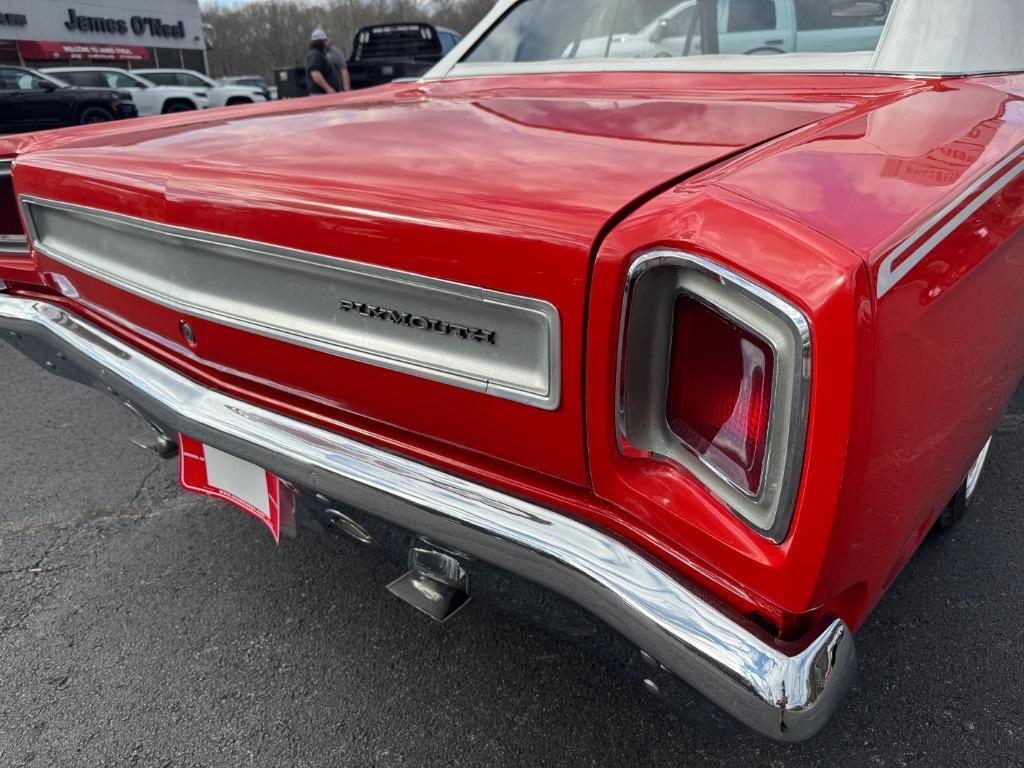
column 211, row 472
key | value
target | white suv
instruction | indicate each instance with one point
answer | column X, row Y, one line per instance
column 218, row 94
column 149, row 98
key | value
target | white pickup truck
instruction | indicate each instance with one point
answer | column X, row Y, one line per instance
column 745, row 27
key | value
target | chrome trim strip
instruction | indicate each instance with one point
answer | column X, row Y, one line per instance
column 308, row 298
column 889, row 276
column 974, row 473
column 784, row 691
column 779, row 324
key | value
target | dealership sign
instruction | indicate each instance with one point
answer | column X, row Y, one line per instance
column 13, row 19
column 41, row 50
column 111, row 24
column 138, row 24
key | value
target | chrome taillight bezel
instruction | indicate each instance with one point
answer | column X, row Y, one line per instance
column 655, row 281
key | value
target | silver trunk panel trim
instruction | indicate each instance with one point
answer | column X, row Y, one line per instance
column 486, row 341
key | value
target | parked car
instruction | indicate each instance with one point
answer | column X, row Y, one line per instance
column 32, row 101
column 745, row 26
column 682, row 357
column 250, row 81
column 149, row 98
column 218, row 95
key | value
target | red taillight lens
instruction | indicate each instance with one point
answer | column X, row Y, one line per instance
column 720, row 392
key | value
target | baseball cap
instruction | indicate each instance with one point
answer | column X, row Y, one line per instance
column 318, row 34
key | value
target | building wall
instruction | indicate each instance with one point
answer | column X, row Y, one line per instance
column 170, row 31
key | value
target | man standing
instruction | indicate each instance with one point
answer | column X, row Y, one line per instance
column 321, row 74
column 338, row 60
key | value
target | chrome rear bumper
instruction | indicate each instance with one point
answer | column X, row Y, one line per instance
column 784, row 691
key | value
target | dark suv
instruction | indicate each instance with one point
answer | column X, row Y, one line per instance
column 31, row 101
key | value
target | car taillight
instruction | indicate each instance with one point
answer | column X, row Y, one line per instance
column 12, row 234
column 714, row 378
column 720, row 392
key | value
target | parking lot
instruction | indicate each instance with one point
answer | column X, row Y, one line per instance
column 143, row 626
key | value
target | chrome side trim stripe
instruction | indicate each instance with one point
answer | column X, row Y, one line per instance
column 890, row 273
column 784, row 691
column 488, row 341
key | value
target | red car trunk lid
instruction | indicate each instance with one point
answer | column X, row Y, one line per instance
column 500, row 187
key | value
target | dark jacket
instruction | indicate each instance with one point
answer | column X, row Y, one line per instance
column 318, row 61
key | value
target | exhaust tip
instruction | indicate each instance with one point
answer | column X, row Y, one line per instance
column 436, row 584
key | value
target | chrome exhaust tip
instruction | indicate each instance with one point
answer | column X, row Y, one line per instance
column 436, row 584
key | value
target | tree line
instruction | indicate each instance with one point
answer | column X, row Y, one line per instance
column 257, row 37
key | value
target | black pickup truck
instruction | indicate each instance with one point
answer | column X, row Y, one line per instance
column 382, row 53
column 387, row 52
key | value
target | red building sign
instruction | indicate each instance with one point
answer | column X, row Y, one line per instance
column 41, row 50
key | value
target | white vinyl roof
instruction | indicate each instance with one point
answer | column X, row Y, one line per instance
column 921, row 37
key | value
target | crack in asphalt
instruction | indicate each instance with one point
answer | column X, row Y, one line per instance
column 38, row 565
column 143, row 482
column 63, row 521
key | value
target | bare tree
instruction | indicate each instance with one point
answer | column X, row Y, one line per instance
column 258, row 36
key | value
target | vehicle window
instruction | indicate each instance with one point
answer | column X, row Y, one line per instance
column 84, row 79
column 551, row 30
column 191, row 81
column 118, row 80
column 751, row 16
column 679, row 25
column 448, row 41
column 9, row 79
column 20, row 80
column 162, row 78
column 811, row 14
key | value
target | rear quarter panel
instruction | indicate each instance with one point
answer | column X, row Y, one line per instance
column 830, row 287
column 911, row 382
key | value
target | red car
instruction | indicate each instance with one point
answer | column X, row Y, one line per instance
column 683, row 355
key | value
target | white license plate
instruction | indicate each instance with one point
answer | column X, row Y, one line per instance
column 211, row 472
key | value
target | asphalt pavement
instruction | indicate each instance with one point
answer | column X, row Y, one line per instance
column 140, row 625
